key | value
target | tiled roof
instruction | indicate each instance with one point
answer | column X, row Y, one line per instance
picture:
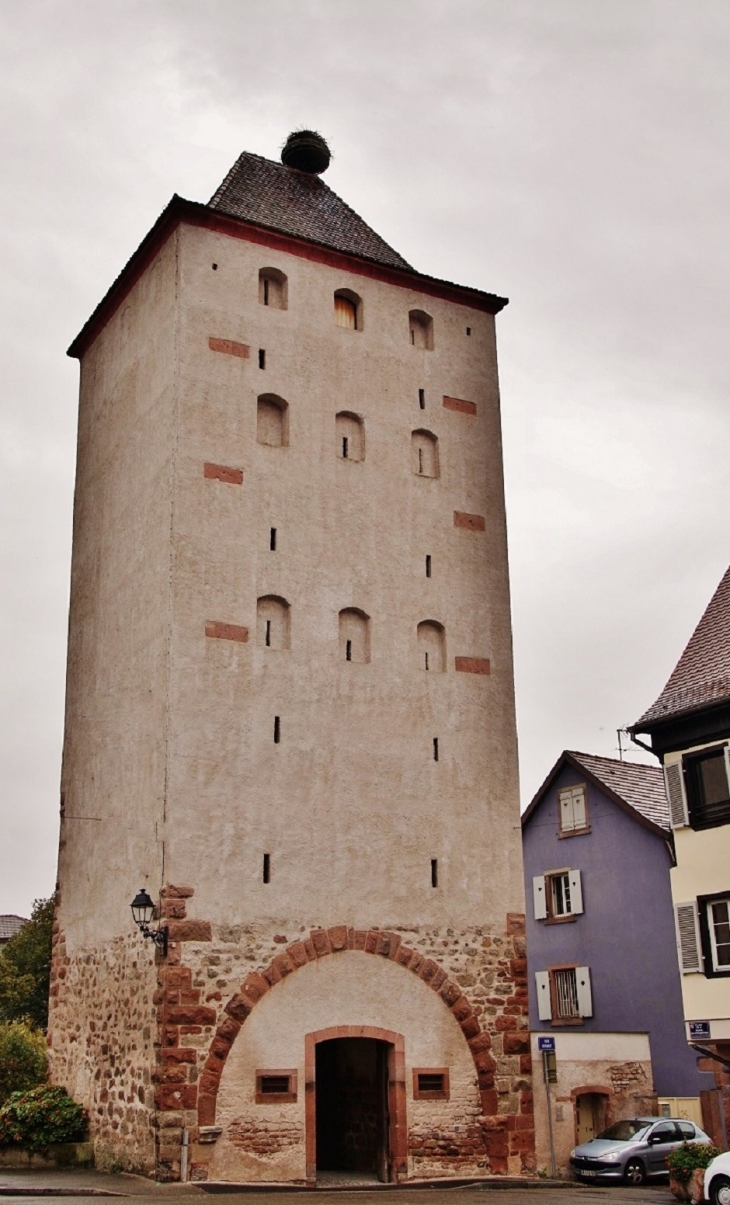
column 10, row 925
column 282, row 198
column 702, row 674
column 642, row 787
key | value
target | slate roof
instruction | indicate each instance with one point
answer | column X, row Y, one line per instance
column 641, row 786
column 10, row 925
column 282, row 198
column 702, row 674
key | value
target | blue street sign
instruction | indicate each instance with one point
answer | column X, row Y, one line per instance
column 549, row 1043
column 699, row 1030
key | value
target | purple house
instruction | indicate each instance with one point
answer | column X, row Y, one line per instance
column 604, row 979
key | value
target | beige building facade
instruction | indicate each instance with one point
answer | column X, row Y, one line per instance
column 290, row 711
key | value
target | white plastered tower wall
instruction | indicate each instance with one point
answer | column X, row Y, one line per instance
column 170, row 754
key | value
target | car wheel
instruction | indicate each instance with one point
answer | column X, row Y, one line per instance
column 720, row 1190
column 635, row 1172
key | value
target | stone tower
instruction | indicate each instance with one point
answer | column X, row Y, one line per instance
column 290, row 708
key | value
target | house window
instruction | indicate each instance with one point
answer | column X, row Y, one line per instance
column 348, row 310
column 430, row 1083
column 718, row 924
column 273, row 288
column 707, row 786
column 703, row 935
column 572, row 811
column 564, row 995
column 276, row 1087
column 557, row 895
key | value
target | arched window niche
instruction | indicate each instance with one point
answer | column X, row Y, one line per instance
column 348, row 310
column 354, row 635
column 272, row 421
column 273, row 289
column 424, row 454
column 272, row 622
column 350, row 436
column 431, row 642
column 420, row 325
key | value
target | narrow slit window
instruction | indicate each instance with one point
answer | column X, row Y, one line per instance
column 262, row 357
column 266, row 291
column 435, row 748
column 348, row 650
column 268, row 633
column 277, row 730
column 422, row 398
column 344, row 448
column 214, row 267
column 420, row 460
column 468, row 330
column 425, row 658
column 272, row 539
column 434, row 872
column 428, row 566
column 267, row 868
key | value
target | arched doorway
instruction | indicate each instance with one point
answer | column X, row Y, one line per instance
column 355, row 1104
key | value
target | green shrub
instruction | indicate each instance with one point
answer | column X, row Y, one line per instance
column 37, row 1118
column 690, row 1155
column 22, row 1058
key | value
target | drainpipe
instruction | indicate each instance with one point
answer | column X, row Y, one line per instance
column 184, row 1158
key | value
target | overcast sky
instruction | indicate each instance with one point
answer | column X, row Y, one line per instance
column 569, row 154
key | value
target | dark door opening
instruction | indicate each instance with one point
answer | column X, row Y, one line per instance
column 352, row 1106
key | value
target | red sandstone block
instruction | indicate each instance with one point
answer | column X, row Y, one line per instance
column 189, row 930
column 338, row 937
column 485, row 1061
column 525, row 1101
column 481, row 1042
column 351, row 938
column 185, row 1029
column 209, row 1081
column 428, row 970
column 502, row 1024
column 388, row 944
column 229, row 347
column 458, row 404
column 177, row 893
column 176, row 1096
column 219, row 1048
column 470, row 1027
column 524, row 1122
column 173, row 909
column 170, row 1035
column 438, row 980
column 229, row 1029
column 297, row 954
column 513, row 1010
column 206, row 1109
column 403, row 955
column 359, row 939
column 224, row 473
column 371, row 941
column 498, row 1165
column 517, row 1043
column 469, row 522
column 271, row 974
column 191, row 1014
column 485, row 1080
column 321, row 942
column 254, row 986
column 496, row 1142
column 462, row 1009
column 450, row 992
column 472, row 665
column 518, row 967
column 524, row 1141
column 226, row 631
column 416, row 963
column 170, row 1074
column 179, row 1054
column 309, row 949
column 283, row 964
column 180, row 977
column 238, row 1007
column 191, row 996
column 515, row 923
column 525, row 1064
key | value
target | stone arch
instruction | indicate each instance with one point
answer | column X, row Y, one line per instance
column 320, row 944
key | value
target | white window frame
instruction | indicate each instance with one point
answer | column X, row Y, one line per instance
column 708, row 906
column 567, row 799
column 543, row 894
column 546, row 986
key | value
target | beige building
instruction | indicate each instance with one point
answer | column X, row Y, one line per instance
column 290, row 709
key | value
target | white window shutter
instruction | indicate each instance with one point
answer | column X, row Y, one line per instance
column 542, row 981
column 538, row 893
column 579, row 807
column 583, row 986
column 566, row 811
column 674, row 782
column 576, row 891
column 688, row 938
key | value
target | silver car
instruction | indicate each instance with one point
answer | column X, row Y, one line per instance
column 633, row 1150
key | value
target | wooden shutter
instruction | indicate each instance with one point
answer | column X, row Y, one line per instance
column 565, row 804
column 345, row 313
column 674, row 783
column 576, row 891
column 538, row 894
column 542, row 982
column 688, row 937
column 579, row 807
column 583, row 990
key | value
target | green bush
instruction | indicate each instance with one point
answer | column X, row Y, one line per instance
column 22, row 1058
column 42, row 1116
column 690, row 1155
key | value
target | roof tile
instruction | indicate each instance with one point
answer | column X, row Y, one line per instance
column 10, row 925
column 640, row 786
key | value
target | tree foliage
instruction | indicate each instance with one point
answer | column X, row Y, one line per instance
column 25, row 969
column 40, row 1117
column 23, row 1062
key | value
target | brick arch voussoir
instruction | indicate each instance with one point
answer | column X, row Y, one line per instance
column 320, row 944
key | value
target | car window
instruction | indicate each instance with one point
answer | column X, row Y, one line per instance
column 666, row 1132
column 686, row 1129
column 624, row 1131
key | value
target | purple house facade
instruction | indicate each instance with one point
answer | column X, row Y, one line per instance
column 604, row 979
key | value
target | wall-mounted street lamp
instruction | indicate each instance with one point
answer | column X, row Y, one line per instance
column 143, row 910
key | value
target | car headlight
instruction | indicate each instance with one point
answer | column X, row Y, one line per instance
column 609, row 1158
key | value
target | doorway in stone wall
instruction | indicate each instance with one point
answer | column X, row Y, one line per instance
column 590, row 1115
column 352, row 1110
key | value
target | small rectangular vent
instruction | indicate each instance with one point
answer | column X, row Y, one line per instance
column 276, row 1087
column 431, row 1083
